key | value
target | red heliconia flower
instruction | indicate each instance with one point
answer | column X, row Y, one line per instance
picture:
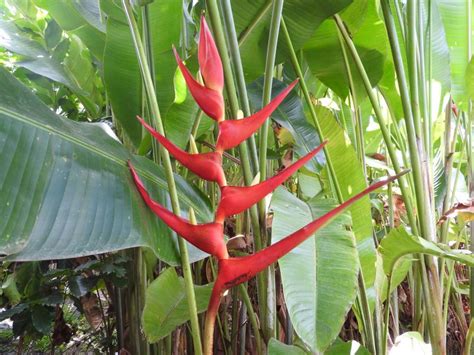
column 232, row 133
column 207, row 165
column 208, row 237
column 234, row 271
column 209, row 100
column 209, row 60
column 235, row 199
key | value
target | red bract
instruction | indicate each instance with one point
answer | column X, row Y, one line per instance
column 209, row 61
column 209, row 100
column 207, row 166
column 207, row 237
column 232, row 133
column 235, row 199
column 234, row 271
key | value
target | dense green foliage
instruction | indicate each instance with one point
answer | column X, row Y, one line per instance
column 85, row 263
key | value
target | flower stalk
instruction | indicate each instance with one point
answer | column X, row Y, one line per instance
column 209, row 237
column 155, row 111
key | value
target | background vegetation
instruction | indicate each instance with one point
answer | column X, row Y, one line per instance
column 86, row 265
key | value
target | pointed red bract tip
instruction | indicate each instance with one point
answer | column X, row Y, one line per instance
column 234, row 271
column 210, row 101
column 235, row 199
column 232, row 133
column 207, row 166
column 208, row 237
column 209, row 60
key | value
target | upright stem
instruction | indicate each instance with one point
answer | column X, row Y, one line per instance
column 150, row 89
column 268, row 81
column 421, row 177
column 256, row 20
column 267, row 316
column 252, row 316
column 378, row 114
column 239, row 72
column 357, row 122
column 314, row 116
column 362, row 291
column 243, row 151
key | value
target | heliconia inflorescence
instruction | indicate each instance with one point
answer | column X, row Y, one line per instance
column 209, row 237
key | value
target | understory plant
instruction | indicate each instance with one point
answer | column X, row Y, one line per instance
column 232, row 271
column 201, row 175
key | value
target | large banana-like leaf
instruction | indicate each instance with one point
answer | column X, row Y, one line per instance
column 166, row 304
column 400, row 243
column 122, row 72
column 369, row 36
column 455, row 16
column 320, row 275
column 69, row 15
column 65, row 190
column 252, row 19
column 350, row 177
column 290, row 115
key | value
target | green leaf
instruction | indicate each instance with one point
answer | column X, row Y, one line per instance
column 8, row 313
column 178, row 121
column 80, row 68
column 51, row 69
column 369, row 37
column 411, row 343
column 10, row 290
column 276, row 347
column 53, row 34
column 42, row 318
column 320, row 276
column 455, row 16
column 398, row 275
column 13, row 39
column 400, row 243
column 80, row 285
column 166, row 305
column 350, row 176
column 346, row 348
column 290, row 115
column 165, row 31
column 252, row 20
column 66, row 191
column 470, row 79
column 71, row 21
column 90, row 11
column 122, row 77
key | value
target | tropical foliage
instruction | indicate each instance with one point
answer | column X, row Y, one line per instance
column 385, row 85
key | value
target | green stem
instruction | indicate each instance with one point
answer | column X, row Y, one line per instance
column 420, row 171
column 429, row 272
column 243, row 151
column 362, row 291
column 470, row 176
column 314, row 116
column 150, row 89
column 266, row 316
column 252, row 316
column 387, row 316
column 244, row 35
column 367, row 315
column 469, row 336
column 267, row 84
column 379, row 116
column 239, row 72
column 357, row 121
column 197, row 121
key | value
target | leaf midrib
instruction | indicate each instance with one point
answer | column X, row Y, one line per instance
column 50, row 129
